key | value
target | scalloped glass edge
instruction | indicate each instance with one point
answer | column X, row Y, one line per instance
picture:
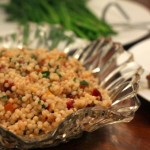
column 116, row 71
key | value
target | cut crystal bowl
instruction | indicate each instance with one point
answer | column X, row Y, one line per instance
column 117, row 73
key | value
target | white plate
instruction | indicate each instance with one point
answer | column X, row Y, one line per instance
column 6, row 27
column 134, row 10
column 141, row 54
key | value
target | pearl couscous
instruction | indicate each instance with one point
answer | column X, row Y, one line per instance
column 39, row 88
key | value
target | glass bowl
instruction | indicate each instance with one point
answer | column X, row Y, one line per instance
column 116, row 71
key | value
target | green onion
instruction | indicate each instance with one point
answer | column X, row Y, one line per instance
column 72, row 15
column 45, row 74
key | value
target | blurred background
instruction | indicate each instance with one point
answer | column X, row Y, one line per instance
column 80, row 21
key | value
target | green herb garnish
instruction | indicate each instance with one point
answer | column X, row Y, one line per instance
column 20, row 98
column 43, row 106
column 39, row 102
column 72, row 15
column 74, row 79
column 10, row 59
column 60, row 57
column 45, row 74
column 84, row 83
column 28, row 63
column 19, row 66
column 49, row 65
column 60, row 76
column 4, row 97
column 33, row 56
column 57, row 72
column 32, row 96
column 57, row 67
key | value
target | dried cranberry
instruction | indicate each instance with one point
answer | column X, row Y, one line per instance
column 20, row 61
column 97, row 93
column 70, row 96
column 9, row 107
column 69, row 103
column 10, row 84
column 41, row 63
column 2, row 67
column 82, row 86
column 90, row 105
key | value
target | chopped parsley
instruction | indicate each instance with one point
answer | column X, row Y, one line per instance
column 45, row 74
column 39, row 102
column 84, row 83
column 57, row 72
column 57, row 67
column 4, row 97
column 33, row 56
column 28, row 63
column 10, row 59
column 19, row 66
column 49, row 65
column 20, row 98
column 74, row 79
column 32, row 96
column 43, row 106
column 60, row 57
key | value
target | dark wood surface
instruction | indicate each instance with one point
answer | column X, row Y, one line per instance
column 124, row 136
column 134, row 135
column 146, row 3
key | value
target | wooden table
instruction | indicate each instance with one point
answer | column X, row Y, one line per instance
column 124, row 136
column 144, row 2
